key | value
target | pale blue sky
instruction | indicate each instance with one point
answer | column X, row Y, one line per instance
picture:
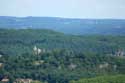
column 64, row 8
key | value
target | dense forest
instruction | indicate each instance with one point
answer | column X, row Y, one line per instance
column 51, row 57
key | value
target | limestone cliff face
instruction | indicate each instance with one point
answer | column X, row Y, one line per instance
column 120, row 53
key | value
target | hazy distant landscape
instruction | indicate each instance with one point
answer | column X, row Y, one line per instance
column 66, row 25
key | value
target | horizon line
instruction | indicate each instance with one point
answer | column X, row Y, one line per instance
column 63, row 17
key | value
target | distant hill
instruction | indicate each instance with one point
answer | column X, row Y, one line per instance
column 65, row 25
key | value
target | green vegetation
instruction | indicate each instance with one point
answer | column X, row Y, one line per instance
column 18, row 42
column 54, row 57
column 36, row 82
column 103, row 79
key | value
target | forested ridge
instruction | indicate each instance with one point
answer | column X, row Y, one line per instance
column 54, row 57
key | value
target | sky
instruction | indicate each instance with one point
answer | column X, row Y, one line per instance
column 64, row 8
